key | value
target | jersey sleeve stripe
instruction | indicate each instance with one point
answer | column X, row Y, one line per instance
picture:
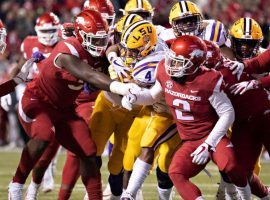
column 72, row 49
column 213, row 31
column 217, row 31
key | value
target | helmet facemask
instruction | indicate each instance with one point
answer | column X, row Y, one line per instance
column 245, row 48
column 95, row 44
column 130, row 56
column 110, row 19
column 3, row 45
column 187, row 25
column 47, row 36
column 178, row 66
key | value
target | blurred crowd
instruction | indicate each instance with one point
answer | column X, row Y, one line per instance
column 19, row 18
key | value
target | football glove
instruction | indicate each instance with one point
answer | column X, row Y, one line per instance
column 201, row 154
column 242, row 87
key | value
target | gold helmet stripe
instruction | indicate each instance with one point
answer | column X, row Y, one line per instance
column 129, row 19
column 247, row 26
column 131, row 28
column 139, row 3
column 184, row 7
column 186, row 4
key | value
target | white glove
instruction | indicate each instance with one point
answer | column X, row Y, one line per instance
column 128, row 100
column 6, row 102
column 118, row 71
column 236, row 67
column 123, row 88
column 23, row 75
column 242, row 87
column 201, row 154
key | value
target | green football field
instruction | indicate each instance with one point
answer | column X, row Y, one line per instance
column 9, row 161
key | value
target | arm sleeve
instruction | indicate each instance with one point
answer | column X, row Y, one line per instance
column 258, row 64
column 7, row 87
column 150, row 96
column 265, row 81
column 225, row 111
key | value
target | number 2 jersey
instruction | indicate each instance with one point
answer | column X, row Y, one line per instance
column 191, row 103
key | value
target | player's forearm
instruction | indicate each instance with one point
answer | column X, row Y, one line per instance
column 225, row 111
column 258, row 64
column 15, row 70
column 150, row 96
column 7, row 87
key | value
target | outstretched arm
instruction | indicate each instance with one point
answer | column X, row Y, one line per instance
column 85, row 72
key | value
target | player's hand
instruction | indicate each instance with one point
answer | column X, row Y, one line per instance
column 118, row 71
column 128, row 100
column 123, row 88
column 38, row 56
column 6, row 102
column 201, row 154
column 242, row 87
column 67, row 30
column 236, row 67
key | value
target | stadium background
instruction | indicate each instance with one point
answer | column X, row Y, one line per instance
column 19, row 18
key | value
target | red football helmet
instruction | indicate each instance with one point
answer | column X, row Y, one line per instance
column 213, row 56
column 3, row 35
column 92, row 31
column 105, row 7
column 47, row 27
column 186, row 55
column 66, row 30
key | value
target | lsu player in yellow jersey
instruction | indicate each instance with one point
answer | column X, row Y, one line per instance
column 109, row 117
column 144, row 9
column 186, row 19
column 245, row 38
column 148, row 130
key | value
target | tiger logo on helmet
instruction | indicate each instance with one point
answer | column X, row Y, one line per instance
column 137, row 41
column 139, row 7
column 246, row 36
column 122, row 23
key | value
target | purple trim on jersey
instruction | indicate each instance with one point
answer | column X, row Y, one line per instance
column 213, row 31
column 146, row 67
column 154, row 62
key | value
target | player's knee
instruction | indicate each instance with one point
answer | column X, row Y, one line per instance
column 147, row 155
column 37, row 146
column 164, row 180
column 116, row 183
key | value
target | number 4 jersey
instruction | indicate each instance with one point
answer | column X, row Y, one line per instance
column 192, row 103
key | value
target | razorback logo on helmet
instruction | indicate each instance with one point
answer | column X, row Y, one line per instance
column 196, row 53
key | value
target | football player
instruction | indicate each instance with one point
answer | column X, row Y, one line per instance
column 105, row 7
column 186, row 19
column 108, row 116
column 45, row 116
column 246, row 36
column 191, row 90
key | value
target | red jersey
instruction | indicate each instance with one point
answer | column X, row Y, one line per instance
column 54, row 84
column 194, row 115
column 250, row 104
column 260, row 64
column 31, row 44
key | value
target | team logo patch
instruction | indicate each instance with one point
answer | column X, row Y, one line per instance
column 169, row 84
column 196, row 53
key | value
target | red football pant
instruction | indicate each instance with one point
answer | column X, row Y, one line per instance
column 182, row 168
column 42, row 122
column 71, row 170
